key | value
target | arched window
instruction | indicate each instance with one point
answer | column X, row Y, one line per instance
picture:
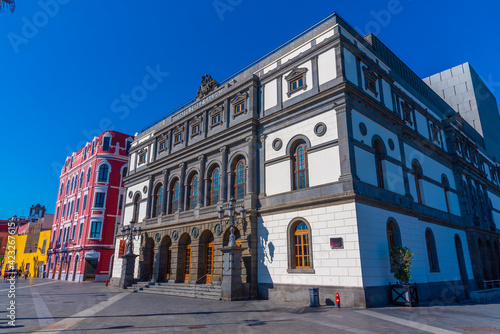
column 158, row 200
column 67, row 187
column 174, row 205
column 89, row 171
column 81, row 180
column 240, row 179
column 124, row 172
column 137, row 206
column 301, row 246
column 431, row 250
column 193, row 192
column 379, row 168
column 62, row 190
column 300, row 166
column 103, row 173
column 214, row 186
column 417, row 174
column 393, row 238
column 446, row 189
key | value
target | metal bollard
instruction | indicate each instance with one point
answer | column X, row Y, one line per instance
column 337, row 300
column 314, row 297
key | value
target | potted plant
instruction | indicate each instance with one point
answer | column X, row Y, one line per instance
column 403, row 293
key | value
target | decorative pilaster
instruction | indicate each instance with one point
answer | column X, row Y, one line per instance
column 165, row 192
column 182, row 166
column 262, row 171
column 224, row 175
column 251, row 140
column 201, row 184
column 346, row 149
column 150, row 198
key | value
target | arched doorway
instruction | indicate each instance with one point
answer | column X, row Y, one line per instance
column 165, row 259
column 184, row 260
column 75, row 267
column 461, row 265
column 68, row 266
column 206, row 257
column 148, row 262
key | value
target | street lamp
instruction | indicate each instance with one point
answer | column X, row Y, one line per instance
column 232, row 219
column 133, row 234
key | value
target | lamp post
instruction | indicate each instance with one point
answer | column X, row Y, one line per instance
column 133, row 234
column 128, row 260
column 232, row 219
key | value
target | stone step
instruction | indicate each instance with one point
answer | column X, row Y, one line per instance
column 189, row 294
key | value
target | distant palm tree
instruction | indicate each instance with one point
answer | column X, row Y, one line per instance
column 7, row 5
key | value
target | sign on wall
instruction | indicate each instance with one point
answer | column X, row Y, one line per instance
column 336, row 243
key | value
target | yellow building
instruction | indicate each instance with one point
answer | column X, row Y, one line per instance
column 31, row 250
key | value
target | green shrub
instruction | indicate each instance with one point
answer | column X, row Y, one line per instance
column 401, row 261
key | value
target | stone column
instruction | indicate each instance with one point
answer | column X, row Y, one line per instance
column 174, row 262
column 252, row 177
column 156, row 264
column 182, row 198
column 150, row 198
column 165, row 192
column 223, row 175
column 195, row 261
column 201, row 184
column 232, row 287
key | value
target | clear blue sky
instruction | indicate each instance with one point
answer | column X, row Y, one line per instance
column 59, row 80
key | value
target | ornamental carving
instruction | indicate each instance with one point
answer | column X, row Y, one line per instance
column 208, row 85
column 435, row 133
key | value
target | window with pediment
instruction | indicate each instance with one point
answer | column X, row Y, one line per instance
column 142, row 156
column 178, row 135
column 216, row 116
column 196, row 126
column 370, row 80
column 435, row 130
column 407, row 112
column 296, row 80
column 239, row 104
column 162, row 142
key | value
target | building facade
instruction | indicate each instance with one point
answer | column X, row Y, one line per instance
column 88, row 209
column 31, row 241
column 338, row 152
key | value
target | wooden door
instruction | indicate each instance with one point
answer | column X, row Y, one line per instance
column 187, row 264
column 168, row 264
column 209, row 263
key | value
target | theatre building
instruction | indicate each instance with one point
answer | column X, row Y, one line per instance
column 88, row 209
column 338, row 152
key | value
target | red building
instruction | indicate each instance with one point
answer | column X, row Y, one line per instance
column 88, row 209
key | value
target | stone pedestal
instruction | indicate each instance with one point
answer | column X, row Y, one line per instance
column 127, row 276
column 232, row 288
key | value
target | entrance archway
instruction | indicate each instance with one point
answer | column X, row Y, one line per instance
column 206, row 257
column 184, row 260
column 75, row 267
column 148, row 260
column 68, row 266
column 165, row 259
column 461, row 265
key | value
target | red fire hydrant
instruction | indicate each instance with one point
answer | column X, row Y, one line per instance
column 337, row 300
column 107, row 281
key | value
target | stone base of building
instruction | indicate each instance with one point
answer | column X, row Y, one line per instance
column 363, row 297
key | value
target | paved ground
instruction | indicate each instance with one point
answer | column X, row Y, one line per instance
column 46, row 306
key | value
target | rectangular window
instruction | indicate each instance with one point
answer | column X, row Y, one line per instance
column 120, row 203
column 163, row 145
column 84, row 205
column 77, row 205
column 196, row 129
column 95, row 230
column 73, row 232
column 85, row 153
column 80, row 232
column 93, row 147
column 296, row 84
column 44, row 246
column 216, row 119
column 99, row 200
column 63, row 210
column 72, row 205
column 57, row 213
column 142, row 158
column 105, row 143
column 239, row 108
column 178, row 138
